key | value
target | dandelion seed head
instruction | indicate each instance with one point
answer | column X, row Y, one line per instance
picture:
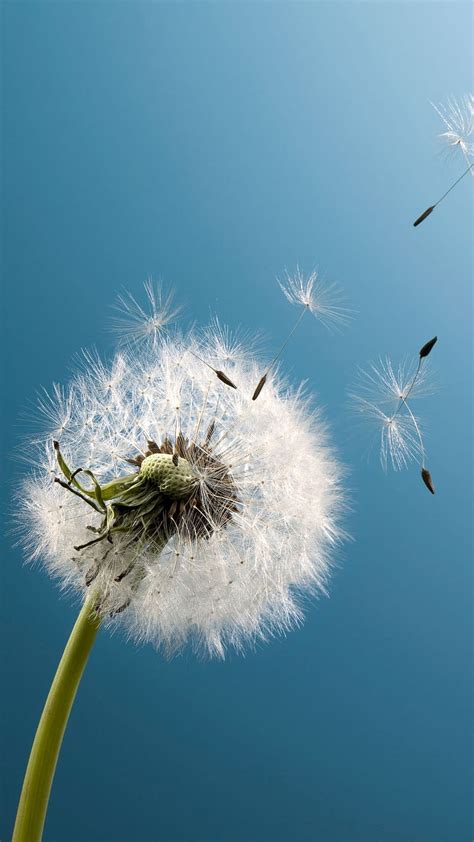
column 323, row 300
column 220, row 557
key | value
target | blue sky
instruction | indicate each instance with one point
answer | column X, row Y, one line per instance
column 215, row 145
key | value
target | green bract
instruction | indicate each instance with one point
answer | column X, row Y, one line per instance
column 146, row 505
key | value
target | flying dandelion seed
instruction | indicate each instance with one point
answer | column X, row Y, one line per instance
column 324, row 301
column 136, row 323
column 458, row 118
column 382, row 398
column 176, row 507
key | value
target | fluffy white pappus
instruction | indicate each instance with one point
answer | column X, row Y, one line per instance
column 267, row 464
column 135, row 323
column 398, row 439
column 323, row 300
column 380, row 397
column 458, row 118
column 383, row 383
column 225, row 347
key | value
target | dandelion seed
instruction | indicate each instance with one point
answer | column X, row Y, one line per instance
column 323, row 301
column 136, row 323
column 381, row 388
column 458, row 117
column 228, row 347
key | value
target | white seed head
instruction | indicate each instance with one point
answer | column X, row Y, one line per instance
column 233, row 506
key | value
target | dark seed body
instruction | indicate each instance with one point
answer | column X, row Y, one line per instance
column 424, row 215
column 223, row 377
column 260, row 385
column 426, row 477
column 428, row 346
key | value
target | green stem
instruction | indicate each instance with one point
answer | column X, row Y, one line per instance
column 47, row 743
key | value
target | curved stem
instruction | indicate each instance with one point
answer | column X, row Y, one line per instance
column 47, row 743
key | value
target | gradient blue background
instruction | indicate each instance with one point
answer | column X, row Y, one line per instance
column 214, row 145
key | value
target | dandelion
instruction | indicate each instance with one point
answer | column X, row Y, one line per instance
column 382, row 398
column 324, row 301
column 177, row 508
column 458, row 119
column 242, row 497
